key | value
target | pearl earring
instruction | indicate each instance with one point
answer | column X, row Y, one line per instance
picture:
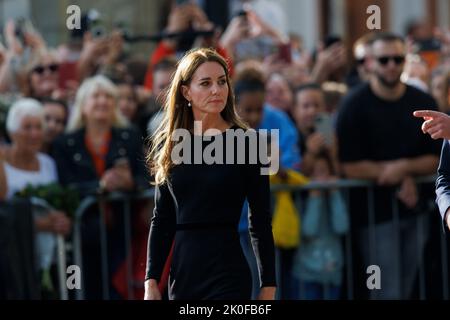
column 189, row 104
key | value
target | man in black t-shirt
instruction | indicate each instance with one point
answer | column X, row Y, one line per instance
column 380, row 140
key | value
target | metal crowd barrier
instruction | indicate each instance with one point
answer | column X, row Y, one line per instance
column 84, row 205
column 60, row 250
column 345, row 186
column 127, row 198
column 93, row 198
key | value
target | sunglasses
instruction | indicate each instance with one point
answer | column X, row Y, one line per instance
column 385, row 60
column 41, row 69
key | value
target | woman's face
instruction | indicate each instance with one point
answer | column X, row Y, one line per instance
column 208, row 89
column 99, row 107
column 44, row 78
column 250, row 107
column 278, row 94
column 30, row 135
column 127, row 103
column 308, row 105
column 55, row 119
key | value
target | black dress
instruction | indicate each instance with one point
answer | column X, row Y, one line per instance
column 199, row 208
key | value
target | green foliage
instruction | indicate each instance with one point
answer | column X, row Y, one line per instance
column 59, row 197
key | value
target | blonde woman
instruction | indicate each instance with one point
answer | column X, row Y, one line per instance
column 98, row 142
column 198, row 206
column 99, row 150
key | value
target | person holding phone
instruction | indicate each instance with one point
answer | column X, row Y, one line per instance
column 315, row 127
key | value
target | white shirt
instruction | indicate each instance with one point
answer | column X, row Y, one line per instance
column 17, row 180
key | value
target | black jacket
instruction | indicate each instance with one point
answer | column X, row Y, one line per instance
column 75, row 164
column 443, row 182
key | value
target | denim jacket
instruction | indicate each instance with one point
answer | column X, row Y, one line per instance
column 320, row 256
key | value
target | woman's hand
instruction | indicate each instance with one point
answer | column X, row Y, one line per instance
column 267, row 293
column 12, row 42
column 152, row 290
column 54, row 222
column 315, row 143
column 178, row 22
column 34, row 40
column 61, row 224
column 328, row 61
column 236, row 31
column 199, row 18
column 258, row 27
column 93, row 50
column 118, row 178
column 115, row 45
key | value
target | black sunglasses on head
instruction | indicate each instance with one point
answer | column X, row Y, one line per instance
column 41, row 69
column 384, row 60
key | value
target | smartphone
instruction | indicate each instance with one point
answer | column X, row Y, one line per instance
column 20, row 30
column 325, row 126
column 68, row 71
column 284, row 53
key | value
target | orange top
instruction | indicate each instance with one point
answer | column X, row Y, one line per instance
column 99, row 157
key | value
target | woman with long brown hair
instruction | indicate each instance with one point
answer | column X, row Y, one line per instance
column 198, row 206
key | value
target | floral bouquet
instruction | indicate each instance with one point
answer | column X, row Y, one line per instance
column 59, row 197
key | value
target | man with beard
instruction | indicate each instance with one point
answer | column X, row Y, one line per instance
column 380, row 140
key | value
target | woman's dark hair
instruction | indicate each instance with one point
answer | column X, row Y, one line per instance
column 248, row 80
column 307, row 86
column 61, row 103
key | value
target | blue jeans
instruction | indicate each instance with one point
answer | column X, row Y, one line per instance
column 398, row 252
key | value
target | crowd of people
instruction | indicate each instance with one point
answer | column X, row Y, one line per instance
column 84, row 113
